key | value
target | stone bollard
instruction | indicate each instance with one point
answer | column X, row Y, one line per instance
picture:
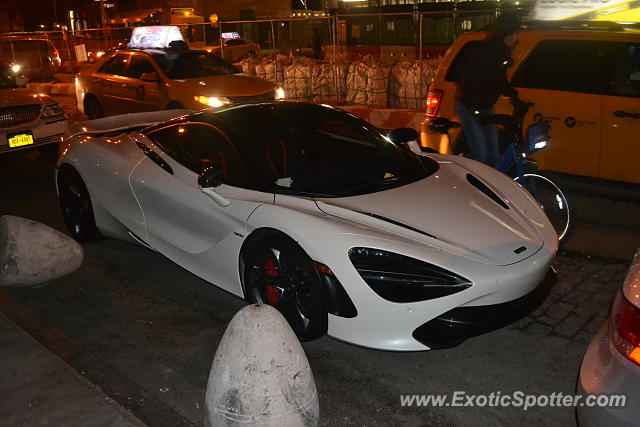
column 260, row 375
column 32, row 253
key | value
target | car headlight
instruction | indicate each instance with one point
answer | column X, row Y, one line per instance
column 399, row 278
column 212, row 101
column 16, row 68
column 52, row 110
column 280, row 93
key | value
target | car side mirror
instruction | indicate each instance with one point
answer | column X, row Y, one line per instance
column 211, row 177
column 402, row 136
column 150, row 77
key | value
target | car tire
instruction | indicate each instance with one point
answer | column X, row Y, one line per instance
column 174, row 105
column 75, row 203
column 278, row 272
column 92, row 108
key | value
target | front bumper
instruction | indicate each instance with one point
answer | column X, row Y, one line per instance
column 45, row 131
column 455, row 326
column 605, row 371
column 387, row 325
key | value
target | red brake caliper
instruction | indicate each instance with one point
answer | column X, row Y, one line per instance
column 270, row 269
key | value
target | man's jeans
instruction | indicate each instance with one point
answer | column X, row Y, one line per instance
column 482, row 138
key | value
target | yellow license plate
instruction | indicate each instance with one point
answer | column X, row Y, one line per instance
column 20, row 140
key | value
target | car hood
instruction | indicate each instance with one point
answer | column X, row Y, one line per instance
column 228, row 85
column 22, row 96
column 447, row 211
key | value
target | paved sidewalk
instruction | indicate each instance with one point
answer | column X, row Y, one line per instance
column 37, row 388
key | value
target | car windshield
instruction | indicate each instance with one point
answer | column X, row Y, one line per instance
column 193, row 64
column 6, row 82
column 309, row 149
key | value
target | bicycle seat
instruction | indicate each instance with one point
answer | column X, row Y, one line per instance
column 442, row 125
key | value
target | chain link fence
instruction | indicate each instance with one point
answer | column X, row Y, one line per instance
column 384, row 60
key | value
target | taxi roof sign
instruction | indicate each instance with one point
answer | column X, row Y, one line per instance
column 154, row 37
column 231, row 35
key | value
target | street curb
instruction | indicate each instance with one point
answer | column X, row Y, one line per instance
column 125, row 394
column 53, row 88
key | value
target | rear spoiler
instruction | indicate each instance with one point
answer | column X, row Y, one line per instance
column 122, row 123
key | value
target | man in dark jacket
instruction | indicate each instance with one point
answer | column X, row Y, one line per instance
column 483, row 78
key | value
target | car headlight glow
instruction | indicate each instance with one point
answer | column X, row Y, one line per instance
column 280, row 93
column 212, row 101
column 53, row 110
column 399, row 278
column 16, row 68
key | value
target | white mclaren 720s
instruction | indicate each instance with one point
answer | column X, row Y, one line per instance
column 307, row 208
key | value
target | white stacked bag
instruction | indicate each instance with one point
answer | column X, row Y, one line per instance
column 366, row 82
column 297, row 79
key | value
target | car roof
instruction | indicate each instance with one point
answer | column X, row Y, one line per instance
column 32, row 37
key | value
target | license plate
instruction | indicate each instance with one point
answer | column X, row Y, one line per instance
column 20, row 140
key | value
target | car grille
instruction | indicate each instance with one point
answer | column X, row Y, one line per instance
column 265, row 97
column 49, row 139
column 38, row 142
column 18, row 115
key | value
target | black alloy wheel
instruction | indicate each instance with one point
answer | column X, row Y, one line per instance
column 278, row 272
column 76, row 207
column 92, row 108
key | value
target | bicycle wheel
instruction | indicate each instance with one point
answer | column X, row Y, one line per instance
column 552, row 199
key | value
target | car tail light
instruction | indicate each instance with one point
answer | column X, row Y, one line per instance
column 434, row 96
column 625, row 328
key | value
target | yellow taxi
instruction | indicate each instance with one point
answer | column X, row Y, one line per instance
column 233, row 47
column 158, row 71
column 585, row 82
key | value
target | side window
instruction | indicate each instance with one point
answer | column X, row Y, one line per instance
column 460, row 61
column 235, row 42
column 198, row 146
column 116, row 66
column 138, row 66
column 567, row 65
column 622, row 74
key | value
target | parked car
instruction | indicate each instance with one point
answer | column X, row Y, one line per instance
column 316, row 212
column 585, row 82
column 28, row 119
column 36, row 56
column 611, row 364
column 135, row 80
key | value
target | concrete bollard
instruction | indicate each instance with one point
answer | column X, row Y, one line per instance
column 32, row 253
column 260, row 375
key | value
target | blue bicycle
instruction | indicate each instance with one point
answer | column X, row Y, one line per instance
column 515, row 162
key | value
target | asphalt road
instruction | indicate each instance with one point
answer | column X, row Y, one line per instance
column 145, row 331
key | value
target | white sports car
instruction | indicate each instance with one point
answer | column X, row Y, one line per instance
column 316, row 212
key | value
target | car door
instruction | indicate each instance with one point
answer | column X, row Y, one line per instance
column 620, row 151
column 183, row 222
column 111, row 79
column 143, row 95
column 235, row 48
column 559, row 77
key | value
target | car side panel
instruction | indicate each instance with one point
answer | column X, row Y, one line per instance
column 105, row 164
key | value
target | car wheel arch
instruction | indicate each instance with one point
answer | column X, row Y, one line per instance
column 174, row 105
